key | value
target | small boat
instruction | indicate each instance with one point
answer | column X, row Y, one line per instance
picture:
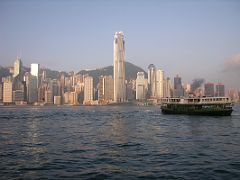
column 209, row 106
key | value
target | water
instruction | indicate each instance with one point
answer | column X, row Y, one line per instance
column 116, row 143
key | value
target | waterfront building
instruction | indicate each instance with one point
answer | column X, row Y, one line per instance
column 88, row 90
column 1, row 92
column 168, row 88
column 152, row 81
column 34, row 83
column 71, row 98
column 33, row 93
column 209, row 89
column 105, row 89
column 66, row 97
column 178, row 89
column 41, row 93
column 68, row 84
column 234, row 94
column 48, row 97
column 57, row 100
column 220, row 90
column 131, row 89
column 18, row 96
column 141, row 87
column 55, row 87
column 188, row 88
column 160, row 84
column 62, row 86
column 7, row 90
column 119, row 68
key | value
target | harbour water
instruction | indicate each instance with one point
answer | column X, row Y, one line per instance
column 117, row 142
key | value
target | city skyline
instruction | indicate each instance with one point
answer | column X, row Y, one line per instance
column 193, row 39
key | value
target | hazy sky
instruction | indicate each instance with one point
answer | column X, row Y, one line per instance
column 195, row 39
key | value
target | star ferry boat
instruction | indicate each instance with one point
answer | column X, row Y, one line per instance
column 209, row 106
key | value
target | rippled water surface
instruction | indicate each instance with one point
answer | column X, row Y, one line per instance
column 116, row 143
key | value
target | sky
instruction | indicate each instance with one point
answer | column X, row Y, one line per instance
column 194, row 39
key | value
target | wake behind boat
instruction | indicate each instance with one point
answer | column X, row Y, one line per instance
column 210, row 106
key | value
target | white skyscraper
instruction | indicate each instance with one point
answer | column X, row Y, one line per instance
column 88, row 90
column 35, row 69
column 141, row 86
column 160, row 84
column 119, row 68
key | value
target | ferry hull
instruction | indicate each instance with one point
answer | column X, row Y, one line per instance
column 222, row 112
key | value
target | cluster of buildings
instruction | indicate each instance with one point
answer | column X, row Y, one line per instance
column 33, row 86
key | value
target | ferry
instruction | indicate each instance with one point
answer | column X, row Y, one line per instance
column 209, row 106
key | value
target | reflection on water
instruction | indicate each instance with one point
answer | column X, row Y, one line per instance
column 117, row 143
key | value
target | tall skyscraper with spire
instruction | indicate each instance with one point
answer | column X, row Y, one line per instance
column 119, row 68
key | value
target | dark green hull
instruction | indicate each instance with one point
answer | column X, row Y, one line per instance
column 197, row 110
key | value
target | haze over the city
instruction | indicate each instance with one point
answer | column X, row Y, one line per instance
column 195, row 39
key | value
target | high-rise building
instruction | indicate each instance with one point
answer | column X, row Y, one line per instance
column 34, row 83
column 220, row 90
column 1, row 92
column 41, row 93
column 105, row 89
column 48, row 97
column 31, row 86
column 209, row 89
column 7, row 90
column 71, row 98
column 141, row 87
column 131, row 89
column 168, row 88
column 160, row 84
column 88, row 90
column 234, row 94
column 33, row 89
column 152, row 80
column 62, row 87
column 178, row 89
column 18, row 96
column 55, row 85
column 35, row 69
column 119, row 68
column 17, row 67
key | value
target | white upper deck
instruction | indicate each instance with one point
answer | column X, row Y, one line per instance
column 197, row 100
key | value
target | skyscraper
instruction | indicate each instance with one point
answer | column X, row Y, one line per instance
column 209, row 89
column 140, row 86
column 17, row 67
column 1, row 92
column 119, row 68
column 178, row 89
column 35, row 69
column 168, row 88
column 88, row 90
column 160, row 84
column 7, row 90
column 152, row 80
column 34, row 83
column 220, row 90
column 105, row 89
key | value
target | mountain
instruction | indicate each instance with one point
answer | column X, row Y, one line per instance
column 131, row 71
column 4, row 72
